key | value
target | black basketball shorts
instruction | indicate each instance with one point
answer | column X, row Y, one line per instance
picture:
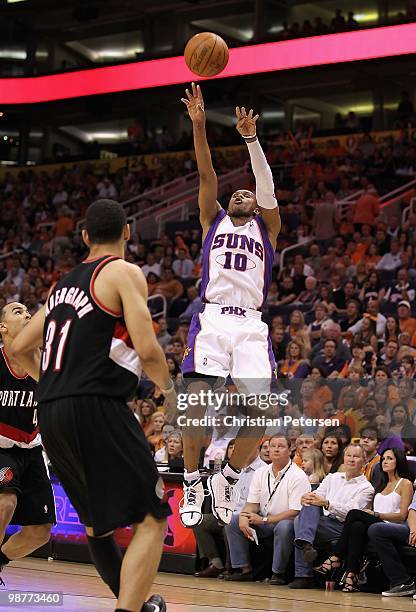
column 24, row 471
column 100, row 454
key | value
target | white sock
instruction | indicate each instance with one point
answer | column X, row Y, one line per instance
column 228, row 472
column 192, row 476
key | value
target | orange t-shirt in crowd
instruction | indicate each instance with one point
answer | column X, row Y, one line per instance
column 408, row 325
column 63, row 227
column 366, row 209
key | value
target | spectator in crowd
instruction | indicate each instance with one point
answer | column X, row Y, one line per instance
column 386, row 537
column 272, row 504
column 295, row 365
column 194, row 305
column 173, row 448
column 369, row 441
column 183, row 266
column 333, row 452
column 146, row 410
column 151, row 265
column 313, row 466
column 391, row 504
column 163, row 335
column 329, row 363
column 366, row 209
column 324, row 512
column 154, row 433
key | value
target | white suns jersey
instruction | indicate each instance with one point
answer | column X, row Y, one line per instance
column 237, row 263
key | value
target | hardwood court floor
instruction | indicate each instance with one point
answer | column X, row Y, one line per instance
column 84, row 591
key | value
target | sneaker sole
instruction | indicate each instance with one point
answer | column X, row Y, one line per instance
column 214, row 512
column 193, row 524
column 402, row 594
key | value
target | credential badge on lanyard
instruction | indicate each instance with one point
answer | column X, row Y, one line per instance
column 271, row 493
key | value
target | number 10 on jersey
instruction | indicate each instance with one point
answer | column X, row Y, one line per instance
column 49, row 345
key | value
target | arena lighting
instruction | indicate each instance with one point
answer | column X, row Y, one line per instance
column 388, row 41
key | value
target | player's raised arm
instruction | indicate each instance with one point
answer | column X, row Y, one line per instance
column 207, row 198
column 265, row 191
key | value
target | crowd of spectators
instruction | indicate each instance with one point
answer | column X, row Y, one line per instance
column 342, row 318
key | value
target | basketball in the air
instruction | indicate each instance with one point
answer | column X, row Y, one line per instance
column 206, row 54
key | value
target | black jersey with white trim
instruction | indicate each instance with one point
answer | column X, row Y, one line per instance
column 87, row 349
column 18, row 417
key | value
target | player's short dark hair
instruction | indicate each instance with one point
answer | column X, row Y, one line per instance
column 104, row 221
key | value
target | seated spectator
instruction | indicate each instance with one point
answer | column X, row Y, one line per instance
column 151, row 265
column 392, row 329
column 403, row 290
column 407, row 366
column 407, row 323
column 183, row 266
column 407, row 389
column 208, row 531
column 154, row 433
column 389, row 356
column 146, row 410
column 324, row 511
column 369, row 442
column 163, row 335
column 391, row 261
column 313, row 466
column 309, row 295
column 303, row 443
column 172, row 450
column 194, row 305
column 315, row 328
column 386, row 537
column 295, row 365
column 372, row 289
column 391, row 504
column 387, row 438
column 170, row 287
column 264, row 450
column 367, row 334
column 333, row 452
column 287, row 294
column 279, row 341
column 372, row 311
column 173, row 366
column 401, row 425
column 352, row 315
column 152, row 283
column 353, row 387
column 329, row 363
column 272, row 504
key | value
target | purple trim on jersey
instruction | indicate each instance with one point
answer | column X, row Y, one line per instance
column 268, row 256
column 271, row 358
column 188, row 362
column 206, row 249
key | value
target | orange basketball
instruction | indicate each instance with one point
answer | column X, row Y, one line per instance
column 206, row 54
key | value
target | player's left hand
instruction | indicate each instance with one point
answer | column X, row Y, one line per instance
column 246, row 123
column 171, row 406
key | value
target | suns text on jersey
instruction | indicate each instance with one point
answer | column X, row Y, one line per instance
column 238, row 241
column 73, row 296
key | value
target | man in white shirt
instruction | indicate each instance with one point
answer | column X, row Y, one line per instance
column 206, row 531
column 273, row 502
column 151, row 265
column 183, row 266
column 324, row 511
column 391, row 261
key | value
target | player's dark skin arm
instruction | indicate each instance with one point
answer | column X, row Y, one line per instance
column 208, row 184
column 246, row 126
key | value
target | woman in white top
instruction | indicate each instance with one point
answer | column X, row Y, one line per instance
column 391, row 504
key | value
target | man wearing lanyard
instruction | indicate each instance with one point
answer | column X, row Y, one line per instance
column 272, row 504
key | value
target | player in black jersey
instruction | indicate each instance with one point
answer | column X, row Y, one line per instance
column 97, row 333
column 26, row 496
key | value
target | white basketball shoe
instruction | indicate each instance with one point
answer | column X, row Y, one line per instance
column 224, row 497
column 190, row 508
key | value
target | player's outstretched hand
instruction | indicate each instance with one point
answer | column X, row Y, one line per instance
column 194, row 102
column 246, row 123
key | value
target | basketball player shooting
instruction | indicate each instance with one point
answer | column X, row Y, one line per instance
column 26, row 496
column 229, row 337
column 97, row 334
